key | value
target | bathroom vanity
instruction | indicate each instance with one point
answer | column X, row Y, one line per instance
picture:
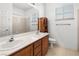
column 38, row 48
column 33, row 45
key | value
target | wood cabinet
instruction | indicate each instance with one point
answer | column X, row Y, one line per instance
column 44, row 45
column 43, row 24
column 27, row 51
column 38, row 48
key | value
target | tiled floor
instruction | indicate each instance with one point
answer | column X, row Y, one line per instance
column 58, row 51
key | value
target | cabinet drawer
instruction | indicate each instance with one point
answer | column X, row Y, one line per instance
column 37, row 43
column 39, row 54
column 37, row 50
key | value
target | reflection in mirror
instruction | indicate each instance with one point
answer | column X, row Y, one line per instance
column 16, row 18
column 4, row 26
column 24, row 18
column 5, row 19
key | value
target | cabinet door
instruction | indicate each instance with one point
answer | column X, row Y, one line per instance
column 42, row 24
column 20, row 53
column 44, row 45
column 28, row 51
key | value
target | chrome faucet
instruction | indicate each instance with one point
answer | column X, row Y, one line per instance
column 37, row 32
column 11, row 39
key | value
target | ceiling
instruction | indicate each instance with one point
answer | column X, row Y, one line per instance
column 23, row 6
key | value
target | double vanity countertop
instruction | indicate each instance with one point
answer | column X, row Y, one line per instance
column 21, row 41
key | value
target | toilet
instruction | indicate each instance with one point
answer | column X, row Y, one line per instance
column 52, row 41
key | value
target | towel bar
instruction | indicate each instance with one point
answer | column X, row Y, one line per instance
column 63, row 24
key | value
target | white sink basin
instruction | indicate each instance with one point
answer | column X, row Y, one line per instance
column 10, row 45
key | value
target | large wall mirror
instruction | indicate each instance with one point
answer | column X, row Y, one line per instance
column 17, row 18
